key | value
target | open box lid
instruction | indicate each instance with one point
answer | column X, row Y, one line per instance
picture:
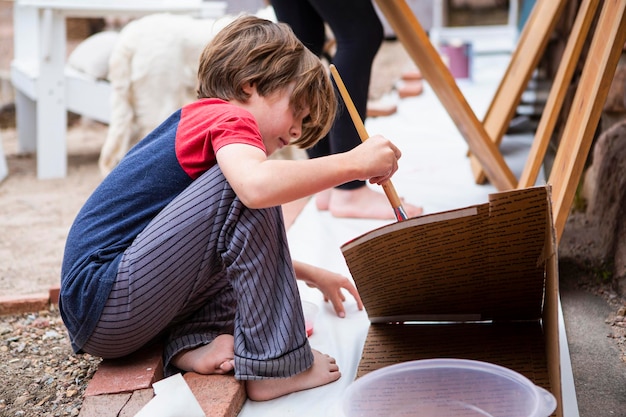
column 483, row 262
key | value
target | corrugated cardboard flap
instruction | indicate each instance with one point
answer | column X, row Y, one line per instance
column 484, row 262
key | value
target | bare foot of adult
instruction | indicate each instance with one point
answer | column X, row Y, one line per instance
column 215, row 358
column 322, row 199
column 323, row 371
column 366, row 203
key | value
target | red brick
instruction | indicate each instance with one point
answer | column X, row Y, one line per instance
column 136, row 371
column 23, row 304
column 104, row 405
column 136, row 402
column 218, row 395
column 53, row 294
column 410, row 88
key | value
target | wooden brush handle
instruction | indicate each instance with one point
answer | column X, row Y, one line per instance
column 388, row 187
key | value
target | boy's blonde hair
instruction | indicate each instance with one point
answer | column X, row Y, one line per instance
column 268, row 56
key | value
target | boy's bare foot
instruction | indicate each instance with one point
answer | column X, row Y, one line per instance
column 361, row 203
column 215, row 358
column 323, row 371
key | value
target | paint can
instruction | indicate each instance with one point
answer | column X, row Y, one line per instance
column 457, row 55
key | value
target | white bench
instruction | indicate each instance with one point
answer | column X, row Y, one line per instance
column 45, row 89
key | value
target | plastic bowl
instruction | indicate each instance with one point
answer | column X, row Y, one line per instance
column 310, row 311
column 445, row 388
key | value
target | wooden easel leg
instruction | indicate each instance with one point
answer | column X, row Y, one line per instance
column 530, row 47
column 561, row 83
column 599, row 69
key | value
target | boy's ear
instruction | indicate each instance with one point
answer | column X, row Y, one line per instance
column 247, row 88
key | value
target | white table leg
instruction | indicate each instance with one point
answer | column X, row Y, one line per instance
column 3, row 163
column 51, row 116
column 26, row 51
column 26, row 116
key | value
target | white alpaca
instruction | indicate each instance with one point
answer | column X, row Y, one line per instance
column 152, row 71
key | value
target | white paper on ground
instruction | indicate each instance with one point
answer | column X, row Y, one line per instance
column 173, row 398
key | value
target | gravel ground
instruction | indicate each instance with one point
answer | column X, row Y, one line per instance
column 616, row 320
column 42, row 376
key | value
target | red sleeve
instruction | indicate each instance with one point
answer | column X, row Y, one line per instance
column 207, row 125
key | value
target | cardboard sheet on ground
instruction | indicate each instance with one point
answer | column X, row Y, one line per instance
column 173, row 398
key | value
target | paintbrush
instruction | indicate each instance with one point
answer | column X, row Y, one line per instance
column 388, row 187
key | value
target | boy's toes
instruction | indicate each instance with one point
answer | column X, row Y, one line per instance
column 227, row 366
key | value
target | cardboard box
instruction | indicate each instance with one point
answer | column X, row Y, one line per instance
column 478, row 283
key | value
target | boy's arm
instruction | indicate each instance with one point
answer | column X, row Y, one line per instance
column 329, row 283
column 261, row 182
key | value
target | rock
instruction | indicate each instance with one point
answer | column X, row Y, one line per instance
column 5, row 329
column 616, row 98
column 605, row 191
column 22, row 399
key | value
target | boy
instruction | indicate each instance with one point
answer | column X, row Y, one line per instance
column 185, row 238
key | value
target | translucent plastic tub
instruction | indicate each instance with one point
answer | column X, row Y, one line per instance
column 310, row 311
column 446, row 388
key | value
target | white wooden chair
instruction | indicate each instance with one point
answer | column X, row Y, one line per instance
column 45, row 89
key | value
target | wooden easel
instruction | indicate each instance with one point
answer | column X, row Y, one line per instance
column 606, row 47
column 584, row 115
column 562, row 80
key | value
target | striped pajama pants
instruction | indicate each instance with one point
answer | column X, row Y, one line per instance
column 205, row 266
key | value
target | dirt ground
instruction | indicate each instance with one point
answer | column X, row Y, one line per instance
column 43, row 377
column 35, row 215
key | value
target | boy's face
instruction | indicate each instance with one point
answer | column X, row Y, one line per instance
column 276, row 118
